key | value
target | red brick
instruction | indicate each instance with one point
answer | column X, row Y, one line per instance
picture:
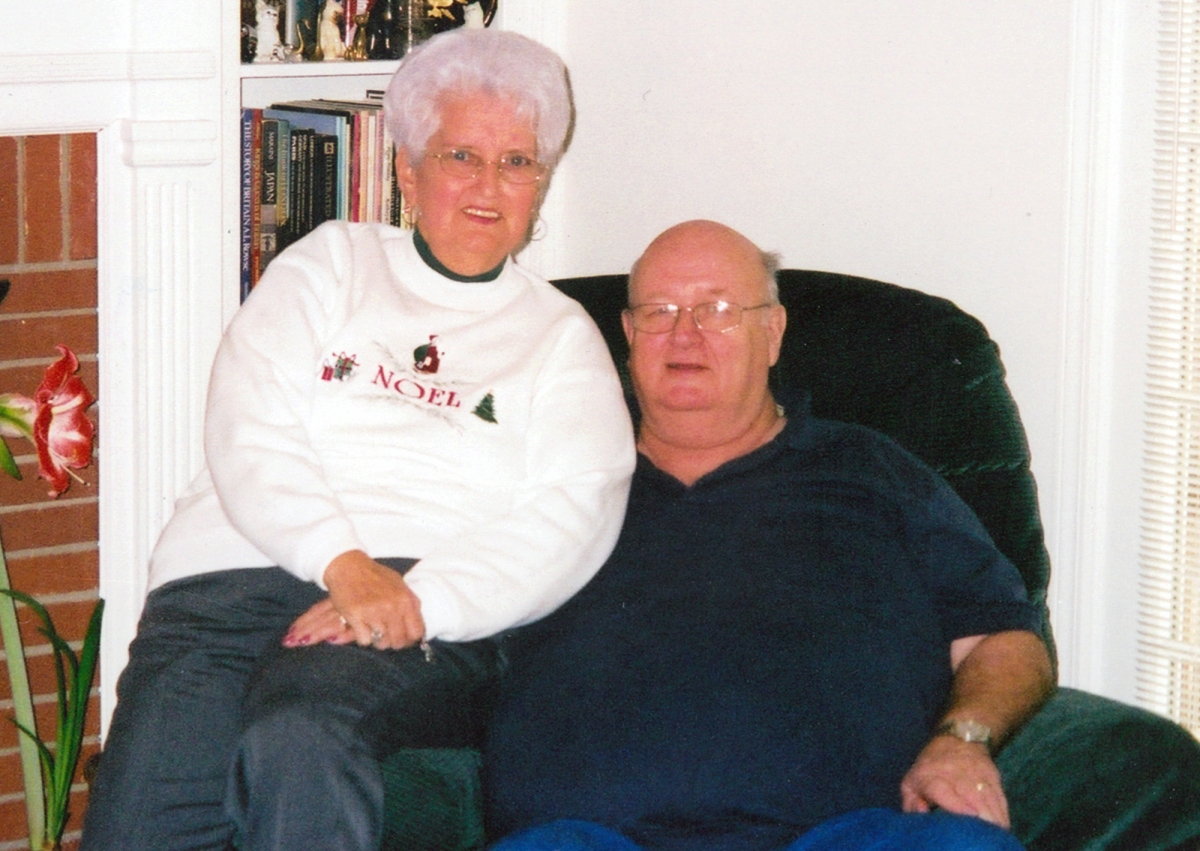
column 56, row 574
column 70, row 621
column 34, row 292
column 51, row 524
column 37, row 337
column 13, row 823
column 33, row 490
column 12, row 814
column 24, row 379
column 8, row 202
column 82, row 187
column 40, row 669
column 43, row 199
column 45, row 717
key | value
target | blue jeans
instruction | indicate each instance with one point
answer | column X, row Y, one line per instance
column 222, row 735
column 862, row 830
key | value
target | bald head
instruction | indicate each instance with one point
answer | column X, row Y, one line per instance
column 701, row 237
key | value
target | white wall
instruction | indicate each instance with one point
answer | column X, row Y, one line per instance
column 957, row 148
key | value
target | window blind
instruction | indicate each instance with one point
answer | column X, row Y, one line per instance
column 1169, row 640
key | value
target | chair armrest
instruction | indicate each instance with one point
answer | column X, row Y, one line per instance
column 1088, row 773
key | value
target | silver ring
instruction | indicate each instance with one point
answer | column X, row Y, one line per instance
column 376, row 636
column 345, row 622
column 979, row 787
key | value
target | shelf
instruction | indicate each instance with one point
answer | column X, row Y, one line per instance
column 340, row 68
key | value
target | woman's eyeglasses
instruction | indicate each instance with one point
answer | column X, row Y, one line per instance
column 513, row 168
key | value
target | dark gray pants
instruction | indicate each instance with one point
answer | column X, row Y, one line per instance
column 219, row 732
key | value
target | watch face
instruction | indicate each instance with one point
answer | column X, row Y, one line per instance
column 967, row 730
column 971, row 731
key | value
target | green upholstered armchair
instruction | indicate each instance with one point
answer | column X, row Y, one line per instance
column 1086, row 773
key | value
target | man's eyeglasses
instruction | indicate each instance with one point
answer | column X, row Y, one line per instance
column 719, row 316
column 513, row 168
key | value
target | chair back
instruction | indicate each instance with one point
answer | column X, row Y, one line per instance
column 908, row 364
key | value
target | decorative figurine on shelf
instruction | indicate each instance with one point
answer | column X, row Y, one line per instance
column 270, row 47
column 384, row 41
column 442, row 8
column 358, row 46
column 330, row 44
column 473, row 16
column 249, row 38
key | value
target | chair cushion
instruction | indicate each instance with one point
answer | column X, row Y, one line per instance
column 432, row 801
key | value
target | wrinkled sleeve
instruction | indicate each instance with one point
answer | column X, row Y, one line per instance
column 266, row 473
column 977, row 590
column 568, row 511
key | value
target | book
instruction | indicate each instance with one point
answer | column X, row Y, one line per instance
column 268, row 192
column 327, row 121
column 301, row 214
column 255, row 196
column 325, row 179
column 283, row 183
column 247, row 207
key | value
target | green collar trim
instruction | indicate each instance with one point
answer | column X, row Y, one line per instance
column 438, row 266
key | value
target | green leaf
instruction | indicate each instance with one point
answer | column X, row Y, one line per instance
column 7, row 463
column 31, row 757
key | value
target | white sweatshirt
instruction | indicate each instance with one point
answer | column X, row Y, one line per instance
column 361, row 400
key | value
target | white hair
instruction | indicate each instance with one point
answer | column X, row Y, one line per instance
column 491, row 62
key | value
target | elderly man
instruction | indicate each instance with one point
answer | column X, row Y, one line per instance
column 803, row 639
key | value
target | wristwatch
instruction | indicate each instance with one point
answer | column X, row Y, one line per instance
column 967, row 729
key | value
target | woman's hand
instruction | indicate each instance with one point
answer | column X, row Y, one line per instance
column 368, row 603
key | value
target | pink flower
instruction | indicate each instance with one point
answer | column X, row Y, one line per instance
column 62, row 432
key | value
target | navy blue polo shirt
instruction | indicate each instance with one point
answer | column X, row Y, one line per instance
column 764, row 650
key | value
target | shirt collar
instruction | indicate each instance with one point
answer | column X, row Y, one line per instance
column 438, row 266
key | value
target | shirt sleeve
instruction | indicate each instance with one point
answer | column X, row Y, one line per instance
column 976, row 589
column 566, row 516
column 267, row 475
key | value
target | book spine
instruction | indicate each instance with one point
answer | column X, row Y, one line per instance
column 256, row 198
column 247, row 170
column 283, row 185
column 291, row 231
column 269, row 192
column 325, row 202
column 357, row 177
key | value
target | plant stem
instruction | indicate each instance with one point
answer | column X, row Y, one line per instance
column 31, row 767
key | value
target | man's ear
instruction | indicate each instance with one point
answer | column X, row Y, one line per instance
column 776, row 325
column 627, row 324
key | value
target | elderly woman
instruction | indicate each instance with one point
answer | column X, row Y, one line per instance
column 412, row 445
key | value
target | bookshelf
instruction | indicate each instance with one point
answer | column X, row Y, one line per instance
column 258, row 85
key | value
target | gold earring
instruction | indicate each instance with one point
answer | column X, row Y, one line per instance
column 409, row 217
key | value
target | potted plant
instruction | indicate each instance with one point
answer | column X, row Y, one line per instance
column 54, row 419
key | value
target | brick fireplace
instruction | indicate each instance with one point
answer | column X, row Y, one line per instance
column 48, row 253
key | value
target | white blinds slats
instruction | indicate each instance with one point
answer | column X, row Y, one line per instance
column 1169, row 611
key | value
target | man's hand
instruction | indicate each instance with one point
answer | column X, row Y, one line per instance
column 368, row 604
column 999, row 681
column 958, row 777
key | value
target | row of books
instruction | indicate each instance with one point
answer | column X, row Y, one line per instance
column 304, row 162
